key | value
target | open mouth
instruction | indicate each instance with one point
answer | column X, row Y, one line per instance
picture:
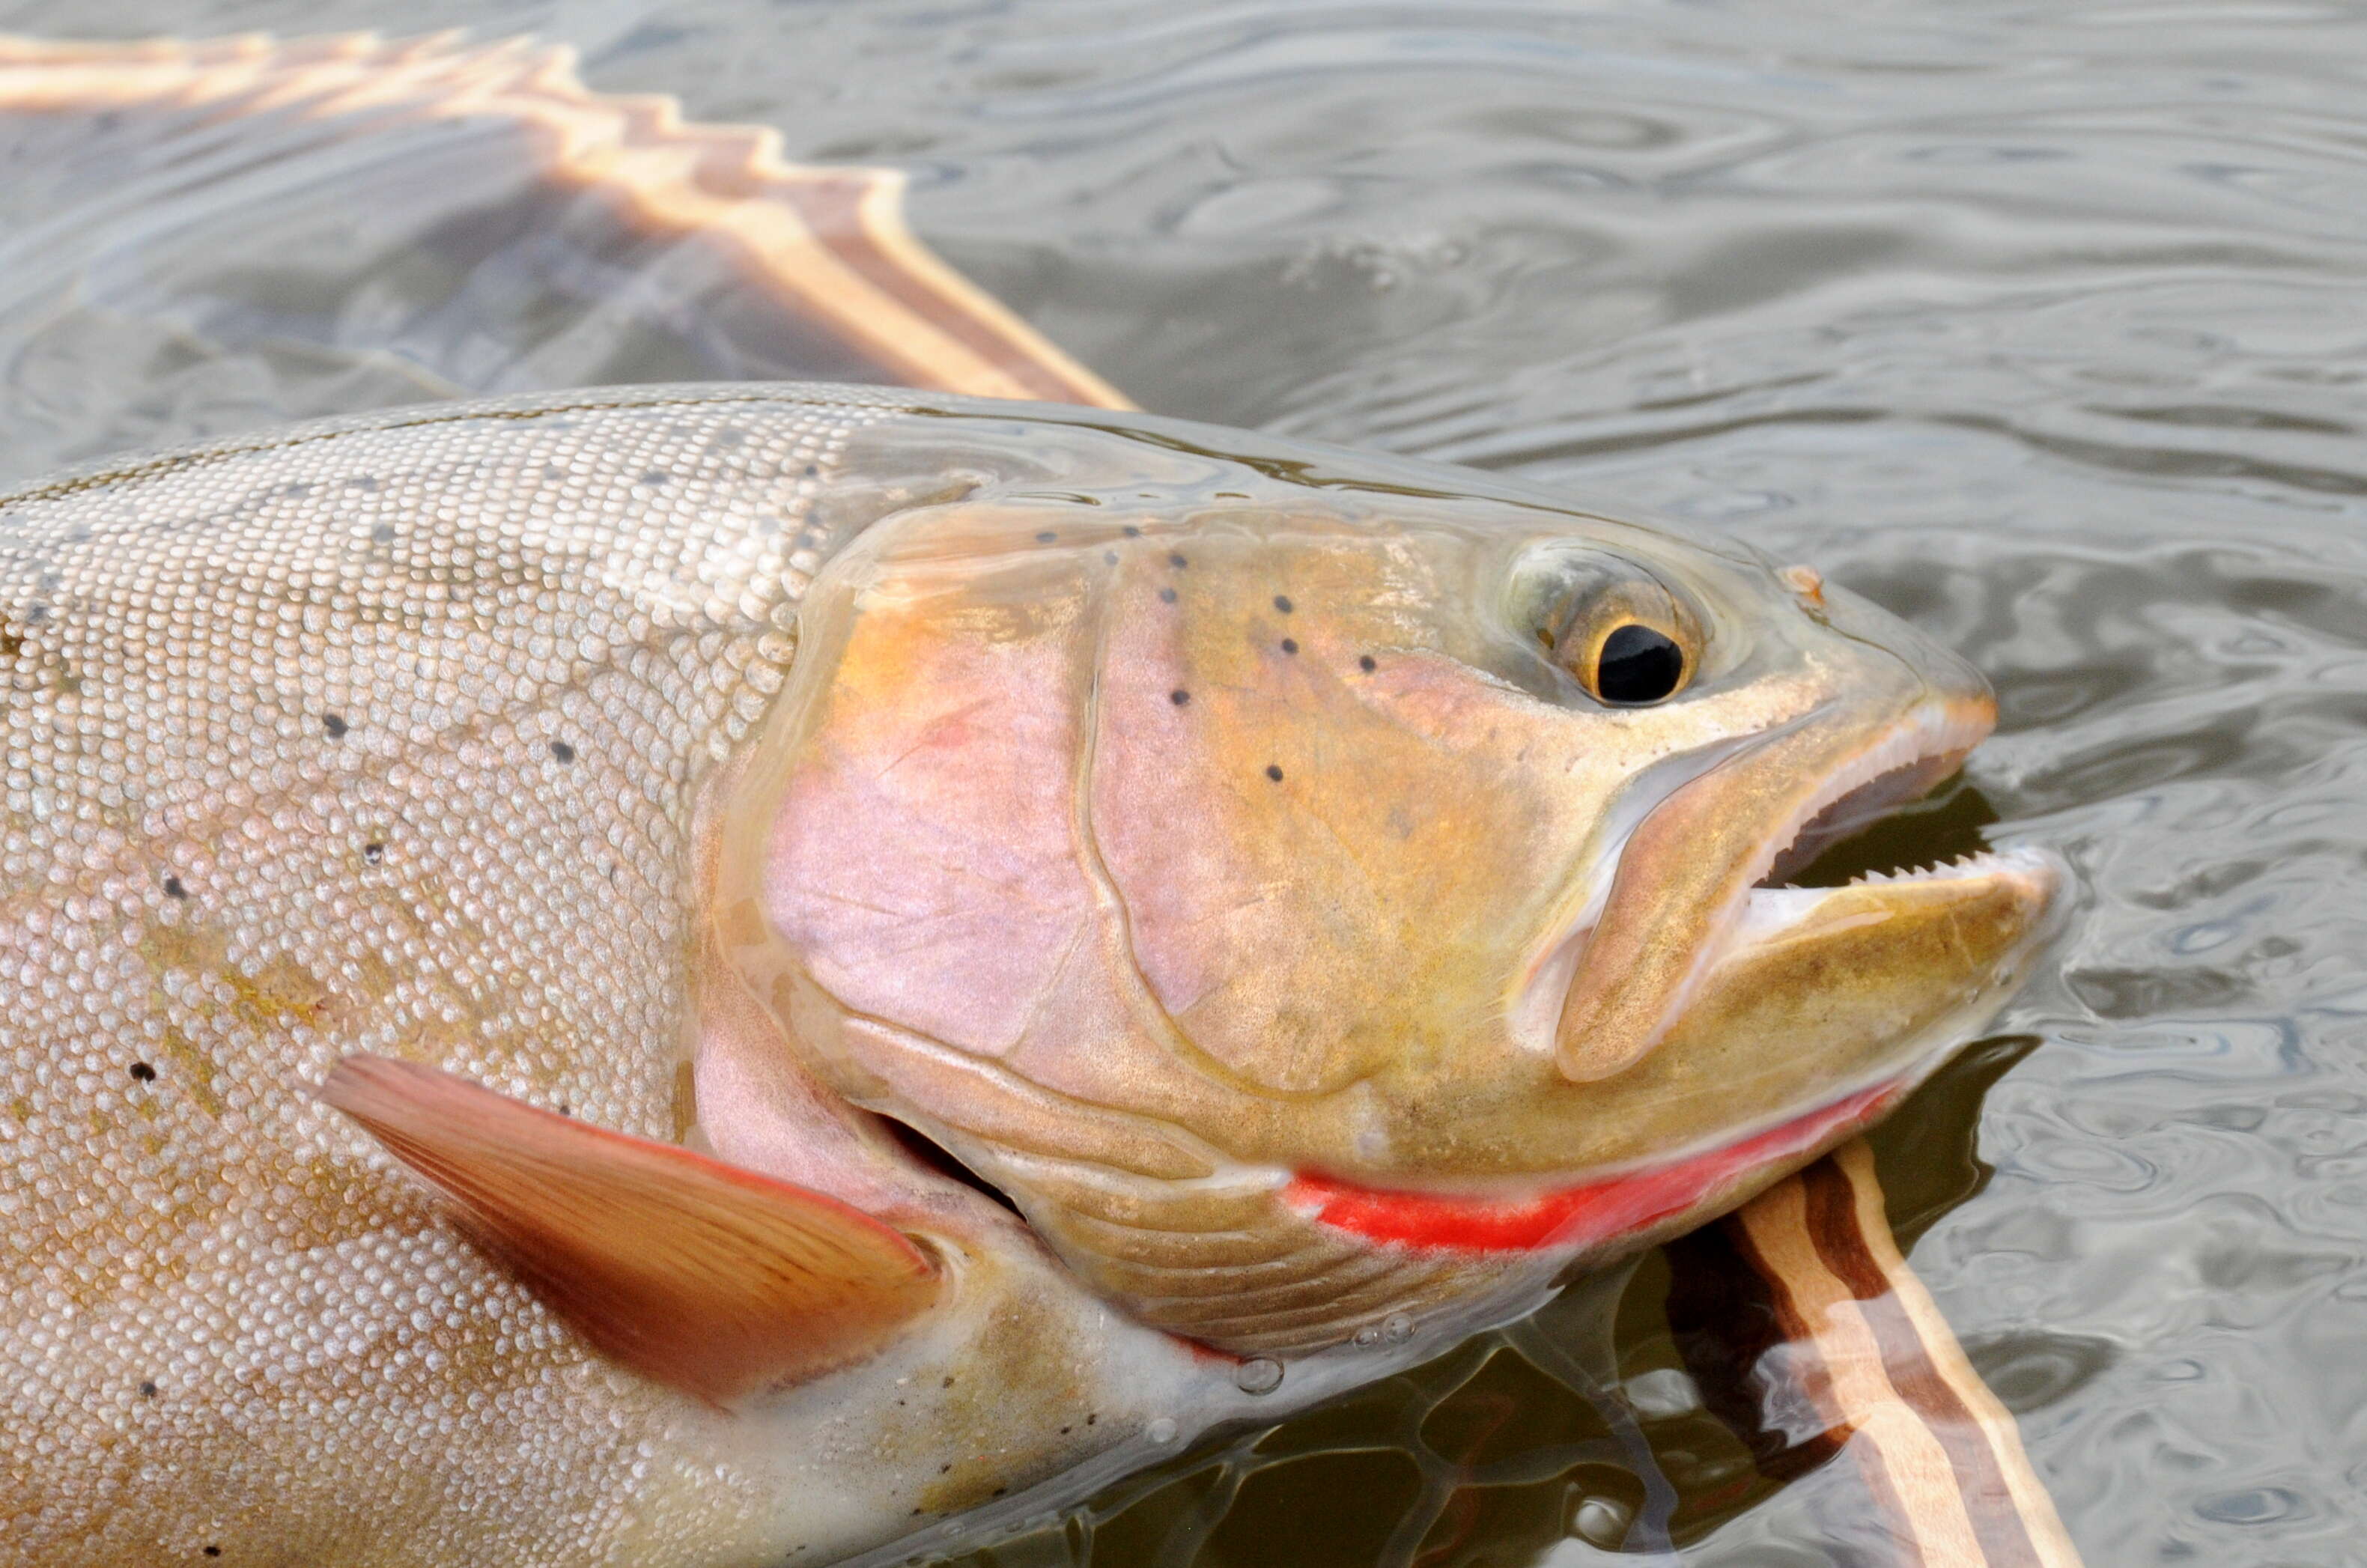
column 1702, row 860
column 1903, row 764
column 1861, row 831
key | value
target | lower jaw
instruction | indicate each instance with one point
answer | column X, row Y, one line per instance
column 1585, row 1216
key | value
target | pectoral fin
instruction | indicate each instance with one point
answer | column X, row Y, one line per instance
column 711, row 1279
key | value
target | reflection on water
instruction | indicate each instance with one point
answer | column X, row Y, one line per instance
column 2046, row 330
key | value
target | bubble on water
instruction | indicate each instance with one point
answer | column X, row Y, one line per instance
column 1369, row 1336
column 1396, row 1328
column 1663, row 1393
column 1161, row 1430
column 1259, row 1376
column 1600, row 1521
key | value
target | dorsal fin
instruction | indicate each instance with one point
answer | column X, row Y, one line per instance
column 711, row 1279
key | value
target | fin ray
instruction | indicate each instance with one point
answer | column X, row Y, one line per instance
column 698, row 1274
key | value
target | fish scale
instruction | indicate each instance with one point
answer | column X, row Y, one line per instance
column 432, row 882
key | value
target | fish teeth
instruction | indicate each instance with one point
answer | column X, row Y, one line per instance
column 1972, row 860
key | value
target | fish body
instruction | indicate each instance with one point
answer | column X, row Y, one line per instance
column 1280, row 874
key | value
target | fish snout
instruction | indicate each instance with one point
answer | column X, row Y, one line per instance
column 1686, row 871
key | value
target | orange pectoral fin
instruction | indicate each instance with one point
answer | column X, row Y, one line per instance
column 710, row 1278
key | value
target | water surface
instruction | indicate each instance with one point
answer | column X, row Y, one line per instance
column 2045, row 325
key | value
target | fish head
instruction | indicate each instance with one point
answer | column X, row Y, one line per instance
column 1318, row 906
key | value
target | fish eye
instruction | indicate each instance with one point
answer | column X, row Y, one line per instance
column 1617, row 629
column 1634, row 665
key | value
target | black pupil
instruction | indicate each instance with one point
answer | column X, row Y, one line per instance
column 1638, row 664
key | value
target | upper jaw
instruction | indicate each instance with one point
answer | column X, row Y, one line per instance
column 1686, row 870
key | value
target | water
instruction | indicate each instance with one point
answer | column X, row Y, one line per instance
column 2046, row 326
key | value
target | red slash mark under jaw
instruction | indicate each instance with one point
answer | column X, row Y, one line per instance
column 1570, row 1217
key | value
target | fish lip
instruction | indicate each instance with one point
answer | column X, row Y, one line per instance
column 1934, row 732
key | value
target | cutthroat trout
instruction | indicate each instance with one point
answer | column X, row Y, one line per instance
column 760, row 974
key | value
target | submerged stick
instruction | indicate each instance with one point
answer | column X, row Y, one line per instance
column 827, row 244
column 1873, row 1354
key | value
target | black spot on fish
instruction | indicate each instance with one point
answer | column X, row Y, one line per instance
column 1368, row 665
column 1290, row 645
column 1167, row 595
column 296, row 488
column 657, row 476
column 362, row 482
column 563, row 751
column 553, row 472
column 10, row 644
column 1274, row 771
column 382, row 533
column 1046, row 536
column 1179, row 697
column 213, row 1552
column 173, row 888
column 1091, row 1418
column 1282, row 603
column 334, row 723
column 143, row 1072
column 373, row 852
column 1177, row 561
column 147, row 1390
column 1131, row 531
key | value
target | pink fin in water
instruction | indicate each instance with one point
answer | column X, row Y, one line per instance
column 710, row 1278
